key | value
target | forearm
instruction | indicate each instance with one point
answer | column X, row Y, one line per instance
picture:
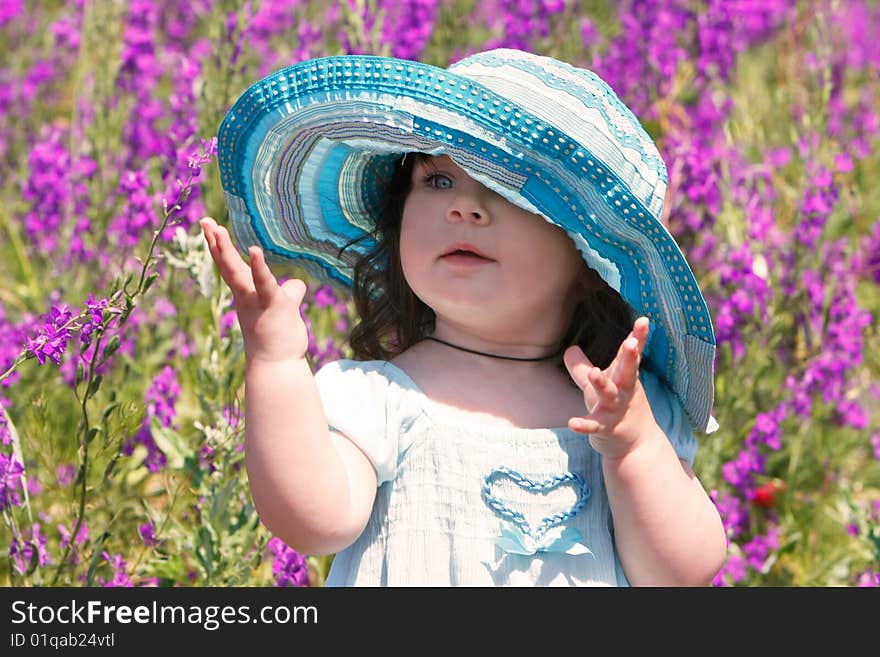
column 297, row 478
column 667, row 530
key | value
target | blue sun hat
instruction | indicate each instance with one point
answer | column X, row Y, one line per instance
column 304, row 154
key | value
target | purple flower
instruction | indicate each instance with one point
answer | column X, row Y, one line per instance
column 81, row 536
column 740, row 472
column 750, row 293
column 11, row 472
column 778, row 157
column 164, row 308
column 5, row 433
column 52, row 337
column 733, row 571
column 30, row 546
column 94, row 320
column 64, row 474
column 408, row 25
column 206, row 459
column 734, row 513
column 289, row 567
column 54, row 190
column 308, row 35
column 232, row 415
column 868, row 262
column 589, row 33
column 120, row 576
column 155, row 459
column 818, row 202
column 869, row 578
column 139, row 70
column 843, row 162
column 147, row 532
column 34, row 486
column 162, row 395
column 800, row 401
column 852, row 414
column 138, row 214
column 767, row 430
column 325, row 297
column 758, row 549
column 197, row 159
column 9, row 10
column 227, row 321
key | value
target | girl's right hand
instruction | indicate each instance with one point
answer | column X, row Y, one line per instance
column 268, row 313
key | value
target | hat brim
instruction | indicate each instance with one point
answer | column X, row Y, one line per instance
column 306, row 152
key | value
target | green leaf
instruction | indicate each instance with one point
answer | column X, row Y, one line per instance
column 170, row 442
column 112, row 346
column 205, row 551
column 220, row 504
column 108, row 409
column 96, row 555
column 94, row 384
column 90, row 435
column 34, row 560
column 170, row 567
column 150, row 280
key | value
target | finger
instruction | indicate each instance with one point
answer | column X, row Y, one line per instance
column 605, row 388
column 264, row 280
column 626, row 363
column 578, row 365
column 640, row 332
column 641, row 328
column 584, row 425
column 232, row 268
column 209, row 226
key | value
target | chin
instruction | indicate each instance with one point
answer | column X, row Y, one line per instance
column 462, row 311
column 456, row 297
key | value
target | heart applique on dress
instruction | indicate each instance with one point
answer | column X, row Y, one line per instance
column 517, row 536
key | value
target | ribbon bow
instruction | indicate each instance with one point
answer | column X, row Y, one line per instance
column 515, row 541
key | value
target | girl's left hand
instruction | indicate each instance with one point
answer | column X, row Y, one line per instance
column 618, row 412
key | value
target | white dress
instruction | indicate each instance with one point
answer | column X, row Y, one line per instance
column 460, row 504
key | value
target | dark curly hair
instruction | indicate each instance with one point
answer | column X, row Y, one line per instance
column 392, row 318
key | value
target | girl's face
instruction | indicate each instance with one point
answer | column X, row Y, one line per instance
column 479, row 261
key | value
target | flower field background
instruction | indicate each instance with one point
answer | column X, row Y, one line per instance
column 121, row 365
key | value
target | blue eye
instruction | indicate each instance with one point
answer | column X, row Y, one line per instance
column 438, row 181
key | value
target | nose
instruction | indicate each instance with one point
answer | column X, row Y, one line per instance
column 468, row 206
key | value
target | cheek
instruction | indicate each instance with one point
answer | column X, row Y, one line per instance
column 555, row 257
column 411, row 247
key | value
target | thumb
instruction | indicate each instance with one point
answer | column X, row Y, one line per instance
column 578, row 365
column 295, row 289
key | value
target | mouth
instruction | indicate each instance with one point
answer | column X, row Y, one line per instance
column 465, row 253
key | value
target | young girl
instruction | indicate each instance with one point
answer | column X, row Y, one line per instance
column 534, row 354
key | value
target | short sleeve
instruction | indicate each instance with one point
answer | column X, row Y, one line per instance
column 670, row 416
column 355, row 399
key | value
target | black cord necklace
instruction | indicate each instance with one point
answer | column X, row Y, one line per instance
column 483, row 353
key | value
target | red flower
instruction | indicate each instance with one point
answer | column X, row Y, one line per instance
column 765, row 495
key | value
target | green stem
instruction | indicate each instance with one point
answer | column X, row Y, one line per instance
column 23, row 356
column 84, row 465
column 166, row 219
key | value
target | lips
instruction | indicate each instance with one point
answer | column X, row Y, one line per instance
column 463, row 251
